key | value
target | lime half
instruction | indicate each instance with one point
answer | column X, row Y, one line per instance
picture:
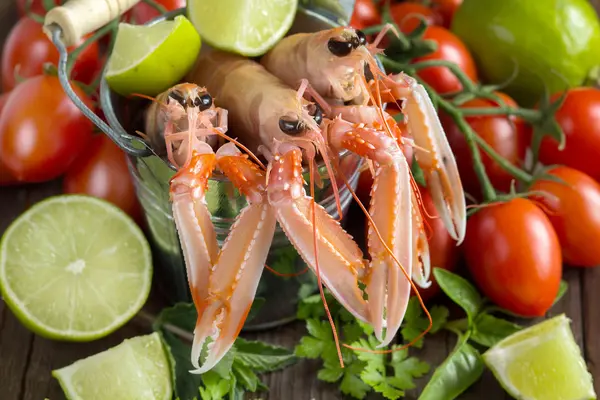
column 149, row 59
column 246, row 27
column 542, row 362
column 138, row 368
column 74, row 268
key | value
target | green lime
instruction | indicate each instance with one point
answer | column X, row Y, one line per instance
column 74, row 268
column 138, row 368
column 542, row 362
column 246, row 27
column 149, row 59
column 552, row 43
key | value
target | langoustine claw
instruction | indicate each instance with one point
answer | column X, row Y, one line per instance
column 222, row 283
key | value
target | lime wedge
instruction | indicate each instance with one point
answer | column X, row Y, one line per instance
column 138, row 368
column 74, row 268
column 542, row 362
column 246, row 27
column 149, row 59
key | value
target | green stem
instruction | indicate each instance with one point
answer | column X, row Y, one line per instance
column 95, row 37
column 526, row 114
column 489, row 193
column 504, row 164
column 157, row 6
column 467, row 83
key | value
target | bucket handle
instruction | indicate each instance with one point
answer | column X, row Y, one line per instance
column 77, row 18
column 65, row 25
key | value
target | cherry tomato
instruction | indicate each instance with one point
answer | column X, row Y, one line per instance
column 27, row 48
column 37, row 7
column 450, row 48
column 142, row 12
column 443, row 251
column 507, row 135
column 6, row 177
column 446, row 9
column 41, row 130
column 579, row 117
column 365, row 14
column 514, row 256
column 408, row 15
column 101, row 171
column 573, row 211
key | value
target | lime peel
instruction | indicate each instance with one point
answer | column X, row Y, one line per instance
column 149, row 59
column 138, row 368
column 246, row 27
column 54, row 290
column 542, row 362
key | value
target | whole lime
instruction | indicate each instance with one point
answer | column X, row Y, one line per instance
column 542, row 43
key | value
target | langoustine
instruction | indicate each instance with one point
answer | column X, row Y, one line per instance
column 284, row 125
column 222, row 282
column 333, row 61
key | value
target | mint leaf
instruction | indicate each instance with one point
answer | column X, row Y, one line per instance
column 489, row 330
column 181, row 315
column 245, row 376
column 262, row 357
column 214, row 388
column 460, row 291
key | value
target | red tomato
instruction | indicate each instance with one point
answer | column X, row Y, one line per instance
column 37, row 7
column 450, row 48
column 101, row 171
column 446, row 9
column 408, row 15
column 573, row 212
column 6, row 177
column 443, row 251
column 514, row 256
column 507, row 135
column 579, row 117
column 27, row 48
column 365, row 14
column 41, row 131
column 142, row 12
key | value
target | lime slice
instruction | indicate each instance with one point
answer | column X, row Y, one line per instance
column 542, row 362
column 149, row 59
column 246, row 27
column 74, row 268
column 138, row 368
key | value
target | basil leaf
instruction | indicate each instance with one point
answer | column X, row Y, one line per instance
column 489, row 330
column 460, row 370
column 262, row 357
column 460, row 291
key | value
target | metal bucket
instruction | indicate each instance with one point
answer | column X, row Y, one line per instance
column 151, row 176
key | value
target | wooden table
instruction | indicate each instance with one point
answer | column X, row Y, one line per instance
column 26, row 360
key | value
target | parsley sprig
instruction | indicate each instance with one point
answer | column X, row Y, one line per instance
column 391, row 375
column 388, row 374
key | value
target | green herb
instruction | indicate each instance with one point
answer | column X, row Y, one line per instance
column 464, row 366
column 233, row 376
column 388, row 374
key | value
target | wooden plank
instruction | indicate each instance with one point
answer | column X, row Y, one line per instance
column 591, row 321
column 570, row 304
column 15, row 340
